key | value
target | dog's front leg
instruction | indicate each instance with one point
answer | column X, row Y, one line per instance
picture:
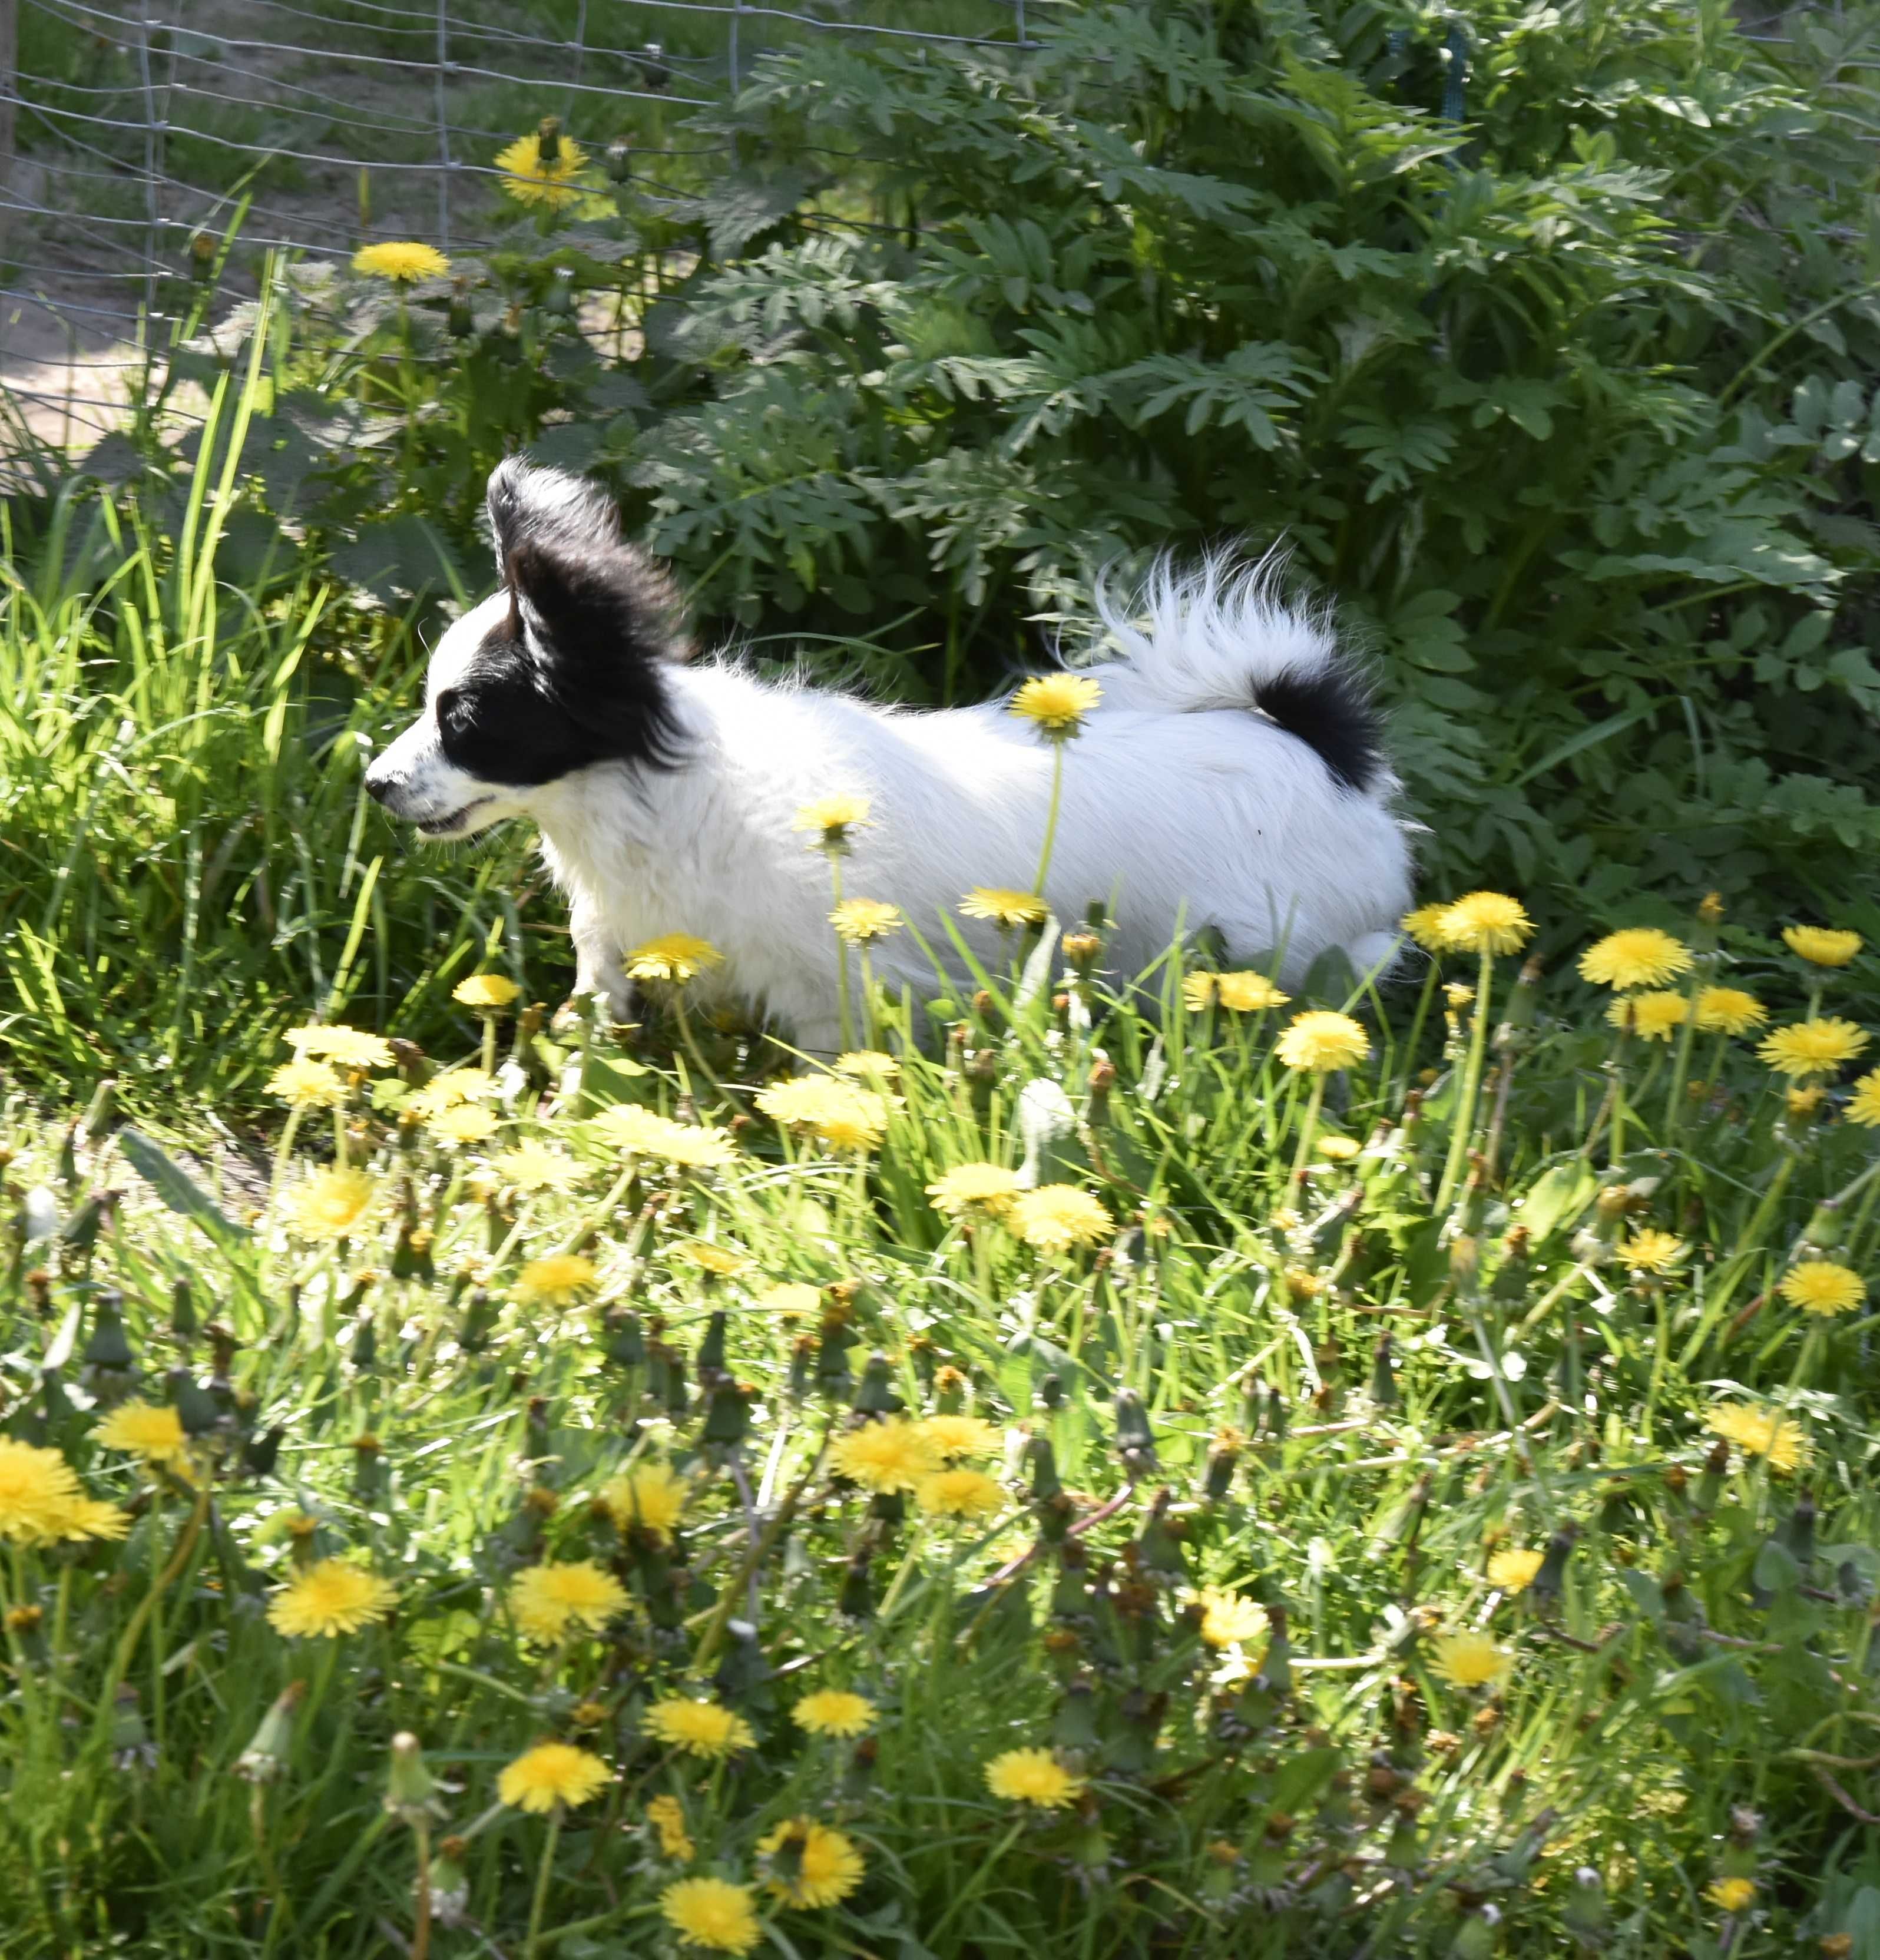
column 599, row 967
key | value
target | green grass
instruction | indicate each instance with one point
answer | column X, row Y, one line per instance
column 1201, row 1399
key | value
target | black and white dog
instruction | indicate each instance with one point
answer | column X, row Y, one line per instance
column 1232, row 776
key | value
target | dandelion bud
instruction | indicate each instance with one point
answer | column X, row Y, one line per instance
column 626, row 1343
column 619, row 160
column 711, row 1363
column 1465, row 1252
column 1383, row 1378
column 109, row 1350
column 1835, row 1946
column 1102, row 1079
column 877, row 1396
column 410, row 1792
column 460, row 321
column 1219, row 1478
column 450, row 1882
column 1046, row 1485
column 201, row 256
column 194, row 1408
column 1134, row 1441
column 802, row 1362
column 260, row 1453
column 265, row 1757
column 549, row 139
column 728, row 1414
column 559, row 300
column 1716, row 1467
column 1051, row 1390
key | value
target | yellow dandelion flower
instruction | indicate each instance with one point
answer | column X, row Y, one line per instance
column 886, row 1456
column 532, row 1167
column 1200, row 991
column 834, row 1711
column 544, row 169
column 959, row 1493
column 1470, row 1660
column 861, row 922
column 1426, row 926
column 1247, row 993
column 1731, row 1895
column 1513, row 1570
column 449, row 1090
column 553, row 1279
column 792, row 1299
column 698, row 1728
column 1760, row 1432
column 721, row 1262
column 37, row 1488
column 1652, row 1251
column 1230, row 1619
column 1728, row 1011
column 1337, row 1150
column 1815, row 1047
column 307, row 1085
column 952, row 1436
column 1639, row 956
column 1321, row 1041
column 646, row 1497
column 1819, row 1286
column 639, row 1132
column 83, row 1517
column 330, row 1204
column 1863, row 1106
column 985, row 1188
column 1057, row 703
column 401, row 260
column 1057, row 1218
column 823, row 1867
column 152, row 1430
column 1802, row 1103
column 468, row 1123
column 1035, row 1777
column 331, row 1598
column 1486, row 922
column 869, row 1064
column 712, row 1913
column 855, row 1125
column 1005, row 906
column 547, row 1601
column 677, row 957
column 833, row 818
column 346, row 1048
column 551, row 1773
column 488, row 993
column 1820, row 945
column 1651, row 1016
column 667, row 1816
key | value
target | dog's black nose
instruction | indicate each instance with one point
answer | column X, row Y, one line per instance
column 378, row 786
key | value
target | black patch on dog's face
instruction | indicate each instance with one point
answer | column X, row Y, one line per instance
column 577, row 673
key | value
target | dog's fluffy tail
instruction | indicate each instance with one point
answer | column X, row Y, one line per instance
column 1218, row 637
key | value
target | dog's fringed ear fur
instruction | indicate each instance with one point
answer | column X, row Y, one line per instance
column 558, row 548
column 604, row 617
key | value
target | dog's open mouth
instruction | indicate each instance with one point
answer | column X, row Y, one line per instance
column 440, row 826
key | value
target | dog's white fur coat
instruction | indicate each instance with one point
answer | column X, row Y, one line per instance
column 1181, row 806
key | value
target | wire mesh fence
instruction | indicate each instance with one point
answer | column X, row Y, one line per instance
column 132, row 129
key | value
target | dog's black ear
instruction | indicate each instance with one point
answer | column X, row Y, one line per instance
column 599, row 617
column 597, row 600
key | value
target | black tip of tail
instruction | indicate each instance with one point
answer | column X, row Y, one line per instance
column 1332, row 711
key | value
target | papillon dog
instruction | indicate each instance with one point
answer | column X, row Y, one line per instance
column 1232, row 776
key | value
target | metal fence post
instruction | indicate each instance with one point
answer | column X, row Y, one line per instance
column 444, row 128
column 9, row 81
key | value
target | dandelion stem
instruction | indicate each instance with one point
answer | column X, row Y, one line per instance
column 1464, row 1123
column 533, row 1944
column 844, row 1009
column 1307, row 1129
column 420, row 1916
column 159, row 1585
column 1051, row 816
